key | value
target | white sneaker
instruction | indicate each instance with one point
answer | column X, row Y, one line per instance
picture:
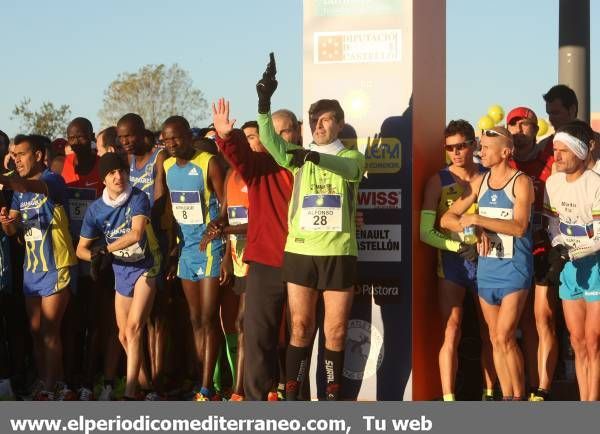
column 106, row 394
column 85, row 394
column 6, row 392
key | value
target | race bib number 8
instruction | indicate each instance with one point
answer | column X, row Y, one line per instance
column 501, row 245
column 187, row 208
column 321, row 213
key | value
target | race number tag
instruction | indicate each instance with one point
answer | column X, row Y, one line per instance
column 187, row 208
column 79, row 200
column 321, row 213
column 237, row 215
column 32, row 230
column 133, row 253
column 501, row 245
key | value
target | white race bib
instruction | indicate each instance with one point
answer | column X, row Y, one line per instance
column 133, row 253
column 32, row 230
column 321, row 213
column 501, row 245
column 187, row 208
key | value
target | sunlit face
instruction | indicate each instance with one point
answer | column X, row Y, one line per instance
column 27, row 162
column 78, row 138
column 565, row 160
column 254, row 139
column 558, row 114
column 131, row 138
column 524, row 132
column 459, row 150
column 116, row 181
column 494, row 150
column 177, row 140
column 325, row 127
column 284, row 126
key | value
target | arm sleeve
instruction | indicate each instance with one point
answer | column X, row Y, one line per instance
column 430, row 235
column 89, row 229
column 350, row 168
column 273, row 142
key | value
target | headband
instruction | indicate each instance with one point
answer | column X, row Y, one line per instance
column 579, row 148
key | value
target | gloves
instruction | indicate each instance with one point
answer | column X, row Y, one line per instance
column 557, row 258
column 468, row 252
column 266, row 86
column 301, row 156
column 101, row 260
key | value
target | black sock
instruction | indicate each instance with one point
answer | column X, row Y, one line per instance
column 334, row 363
column 543, row 393
column 295, row 366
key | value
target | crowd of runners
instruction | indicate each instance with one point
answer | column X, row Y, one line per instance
column 191, row 261
column 188, row 261
column 517, row 227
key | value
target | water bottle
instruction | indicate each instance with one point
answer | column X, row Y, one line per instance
column 469, row 235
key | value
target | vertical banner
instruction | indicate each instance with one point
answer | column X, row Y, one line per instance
column 360, row 52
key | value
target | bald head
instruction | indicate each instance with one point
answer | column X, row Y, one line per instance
column 286, row 125
column 130, row 132
column 84, row 125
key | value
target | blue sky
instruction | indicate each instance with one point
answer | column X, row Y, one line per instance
column 68, row 52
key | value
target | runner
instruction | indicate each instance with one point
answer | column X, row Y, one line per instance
column 87, row 315
column 122, row 218
column 195, row 184
column 504, row 271
column 538, row 323
column 146, row 172
column 572, row 203
column 38, row 206
column 321, row 247
column 457, row 259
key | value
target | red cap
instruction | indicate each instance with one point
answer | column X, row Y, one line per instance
column 521, row 112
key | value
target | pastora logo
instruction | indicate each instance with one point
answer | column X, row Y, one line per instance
column 379, row 199
column 364, row 350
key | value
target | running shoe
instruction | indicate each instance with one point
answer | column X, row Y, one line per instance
column 44, row 395
column 85, row 394
column 153, row 396
column 106, row 394
column 63, row 393
column 273, row 396
column 205, row 395
column 236, row 397
column 535, row 398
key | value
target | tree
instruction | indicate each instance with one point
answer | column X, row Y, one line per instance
column 155, row 92
column 48, row 121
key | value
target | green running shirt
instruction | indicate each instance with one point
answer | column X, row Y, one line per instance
column 322, row 211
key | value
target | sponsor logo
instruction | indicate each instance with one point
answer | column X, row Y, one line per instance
column 363, row 46
column 357, row 8
column 382, row 154
column 379, row 243
column 329, row 370
column 376, row 290
column 364, row 350
column 193, row 172
column 379, row 199
column 89, row 184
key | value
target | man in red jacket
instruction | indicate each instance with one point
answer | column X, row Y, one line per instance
column 269, row 192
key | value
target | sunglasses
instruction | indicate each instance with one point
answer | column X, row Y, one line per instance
column 457, row 146
column 494, row 133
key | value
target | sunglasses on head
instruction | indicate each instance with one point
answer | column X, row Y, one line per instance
column 493, row 133
column 457, row 146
